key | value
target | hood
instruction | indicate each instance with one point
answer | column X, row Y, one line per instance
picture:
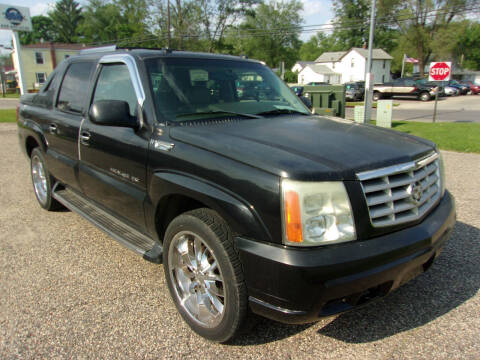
column 304, row 147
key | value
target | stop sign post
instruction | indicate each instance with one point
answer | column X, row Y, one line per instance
column 439, row 71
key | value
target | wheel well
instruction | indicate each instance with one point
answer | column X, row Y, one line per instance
column 172, row 206
column 31, row 144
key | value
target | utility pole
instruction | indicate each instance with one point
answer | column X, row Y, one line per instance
column 369, row 76
column 168, row 24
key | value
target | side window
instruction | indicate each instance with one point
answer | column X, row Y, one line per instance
column 114, row 83
column 74, row 89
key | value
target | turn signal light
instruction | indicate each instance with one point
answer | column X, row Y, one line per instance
column 293, row 217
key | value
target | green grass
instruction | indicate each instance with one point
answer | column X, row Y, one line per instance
column 9, row 115
column 9, row 96
column 361, row 103
column 461, row 137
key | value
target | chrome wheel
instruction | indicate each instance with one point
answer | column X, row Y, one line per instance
column 39, row 179
column 197, row 279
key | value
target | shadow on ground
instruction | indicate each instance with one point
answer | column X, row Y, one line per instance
column 453, row 279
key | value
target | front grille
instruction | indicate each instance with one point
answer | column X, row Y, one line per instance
column 401, row 193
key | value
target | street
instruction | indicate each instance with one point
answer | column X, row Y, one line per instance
column 67, row 290
column 450, row 109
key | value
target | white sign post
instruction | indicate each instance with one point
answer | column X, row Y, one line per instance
column 16, row 18
column 439, row 71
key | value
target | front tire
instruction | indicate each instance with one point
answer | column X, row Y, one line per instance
column 204, row 275
column 425, row 96
column 42, row 181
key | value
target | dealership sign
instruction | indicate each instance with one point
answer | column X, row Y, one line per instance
column 14, row 17
column 440, row 71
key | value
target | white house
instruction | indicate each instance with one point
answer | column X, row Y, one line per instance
column 346, row 66
column 318, row 73
column 300, row 65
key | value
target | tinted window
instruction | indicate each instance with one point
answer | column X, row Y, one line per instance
column 114, row 83
column 45, row 96
column 74, row 89
column 191, row 89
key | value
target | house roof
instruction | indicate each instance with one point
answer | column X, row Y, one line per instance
column 378, row 54
column 59, row 46
column 322, row 69
column 304, row 63
column 330, row 56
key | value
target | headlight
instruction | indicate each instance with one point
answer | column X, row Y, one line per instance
column 442, row 174
column 316, row 213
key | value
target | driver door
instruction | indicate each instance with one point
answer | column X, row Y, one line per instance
column 113, row 159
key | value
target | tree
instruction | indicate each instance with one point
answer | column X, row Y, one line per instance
column 122, row 22
column 421, row 22
column 271, row 34
column 317, row 45
column 216, row 16
column 353, row 26
column 468, row 46
column 43, row 30
column 66, row 18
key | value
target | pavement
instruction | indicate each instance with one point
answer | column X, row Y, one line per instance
column 67, row 290
column 449, row 109
column 8, row 103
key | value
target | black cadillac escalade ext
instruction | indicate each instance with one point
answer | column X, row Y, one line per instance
column 250, row 202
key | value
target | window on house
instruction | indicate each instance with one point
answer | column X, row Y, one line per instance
column 39, row 58
column 384, row 63
column 352, row 62
column 41, row 77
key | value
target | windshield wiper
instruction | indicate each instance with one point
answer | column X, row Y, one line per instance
column 281, row 111
column 218, row 112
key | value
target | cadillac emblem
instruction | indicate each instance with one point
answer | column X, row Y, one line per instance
column 416, row 191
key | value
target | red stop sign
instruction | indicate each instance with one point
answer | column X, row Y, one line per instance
column 440, row 71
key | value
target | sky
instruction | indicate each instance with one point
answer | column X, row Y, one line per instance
column 314, row 12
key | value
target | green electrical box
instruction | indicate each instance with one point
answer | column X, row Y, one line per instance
column 327, row 99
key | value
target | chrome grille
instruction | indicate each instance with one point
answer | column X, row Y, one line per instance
column 401, row 193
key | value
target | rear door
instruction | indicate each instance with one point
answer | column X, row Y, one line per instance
column 63, row 124
column 113, row 159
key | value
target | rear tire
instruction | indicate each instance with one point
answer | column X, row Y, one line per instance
column 42, row 181
column 204, row 274
column 376, row 96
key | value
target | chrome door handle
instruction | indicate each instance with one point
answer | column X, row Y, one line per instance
column 84, row 138
column 52, row 128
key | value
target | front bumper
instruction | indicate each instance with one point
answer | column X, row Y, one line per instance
column 298, row 285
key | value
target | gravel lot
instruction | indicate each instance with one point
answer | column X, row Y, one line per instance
column 67, row 290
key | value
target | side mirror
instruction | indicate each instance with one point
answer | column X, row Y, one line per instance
column 112, row 113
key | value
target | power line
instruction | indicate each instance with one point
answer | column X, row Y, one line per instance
column 325, row 27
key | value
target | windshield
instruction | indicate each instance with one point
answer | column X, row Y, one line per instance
column 196, row 88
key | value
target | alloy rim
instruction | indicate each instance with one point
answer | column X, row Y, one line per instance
column 197, row 279
column 39, row 179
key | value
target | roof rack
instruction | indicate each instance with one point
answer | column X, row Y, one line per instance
column 98, row 49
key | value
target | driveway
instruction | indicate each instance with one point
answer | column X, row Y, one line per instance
column 67, row 290
column 449, row 109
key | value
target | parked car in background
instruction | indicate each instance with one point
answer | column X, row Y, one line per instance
column 451, row 91
column 474, row 88
column 404, row 88
column 464, row 89
column 433, row 84
column 354, row 91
